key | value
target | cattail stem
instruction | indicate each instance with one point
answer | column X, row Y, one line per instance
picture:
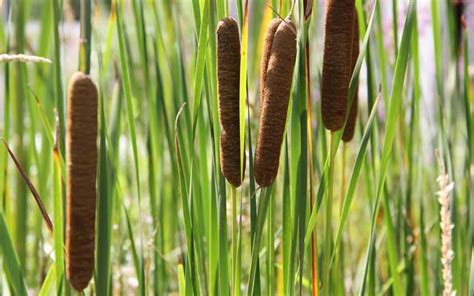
column 235, row 284
column 85, row 42
column 328, row 229
column 264, row 201
column 58, row 86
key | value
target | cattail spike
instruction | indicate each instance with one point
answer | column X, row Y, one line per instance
column 351, row 120
column 228, row 80
column 337, row 62
column 276, row 92
column 81, row 183
column 267, row 50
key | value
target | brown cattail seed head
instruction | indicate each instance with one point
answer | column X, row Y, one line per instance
column 351, row 120
column 267, row 50
column 276, row 93
column 337, row 62
column 81, row 182
column 228, row 81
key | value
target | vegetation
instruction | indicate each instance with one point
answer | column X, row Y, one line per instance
column 389, row 211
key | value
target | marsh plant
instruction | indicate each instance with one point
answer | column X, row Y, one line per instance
column 229, row 147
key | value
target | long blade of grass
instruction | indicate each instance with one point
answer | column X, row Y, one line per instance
column 128, row 96
column 30, row 185
column 132, row 129
column 58, row 84
column 48, row 282
column 19, row 128
column 392, row 119
column 58, row 221
column 349, row 196
column 11, row 264
column 200, row 62
column 104, row 205
column 243, row 83
column 186, row 210
column 471, row 276
column 262, row 214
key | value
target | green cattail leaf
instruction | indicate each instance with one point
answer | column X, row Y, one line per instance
column 355, row 177
column 48, row 282
column 392, row 119
column 58, row 221
column 11, row 264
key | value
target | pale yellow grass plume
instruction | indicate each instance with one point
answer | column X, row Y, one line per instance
column 7, row 58
column 447, row 253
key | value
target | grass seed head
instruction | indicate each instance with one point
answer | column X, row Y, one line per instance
column 81, row 182
column 228, row 80
column 276, row 93
column 351, row 120
column 337, row 62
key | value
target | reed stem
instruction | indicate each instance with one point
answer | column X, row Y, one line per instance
column 85, row 42
column 328, row 229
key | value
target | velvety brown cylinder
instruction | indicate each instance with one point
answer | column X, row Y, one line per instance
column 267, row 50
column 228, row 83
column 337, row 62
column 351, row 120
column 276, row 93
column 81, row 182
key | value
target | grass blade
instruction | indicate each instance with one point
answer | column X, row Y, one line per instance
column 355, row 177
column 262, row 214
column 48, row 282
column 392, row 119
column 11, row 264
column 32, row 188
column 58, row 220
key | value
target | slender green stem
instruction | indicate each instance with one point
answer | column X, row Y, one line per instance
column 58, row 85
column 328, row 227
column 85, row 42
column 58, row 222
column 235, row 266
column 223, row 253
column 20, row 130
column 262, row 213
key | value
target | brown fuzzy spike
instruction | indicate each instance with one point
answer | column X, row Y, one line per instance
column 275, row 102
column 81, row 183
column 267, row 49
column 458, row 6
column 351, row 121
column 337, row 62
column 228, row 82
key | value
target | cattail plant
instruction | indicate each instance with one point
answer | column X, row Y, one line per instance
column 275, row 85
column 228, row 79
column 81, row 182
column 458, row 7
column 337, row 62
column 351, row 120
column 267, row 50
